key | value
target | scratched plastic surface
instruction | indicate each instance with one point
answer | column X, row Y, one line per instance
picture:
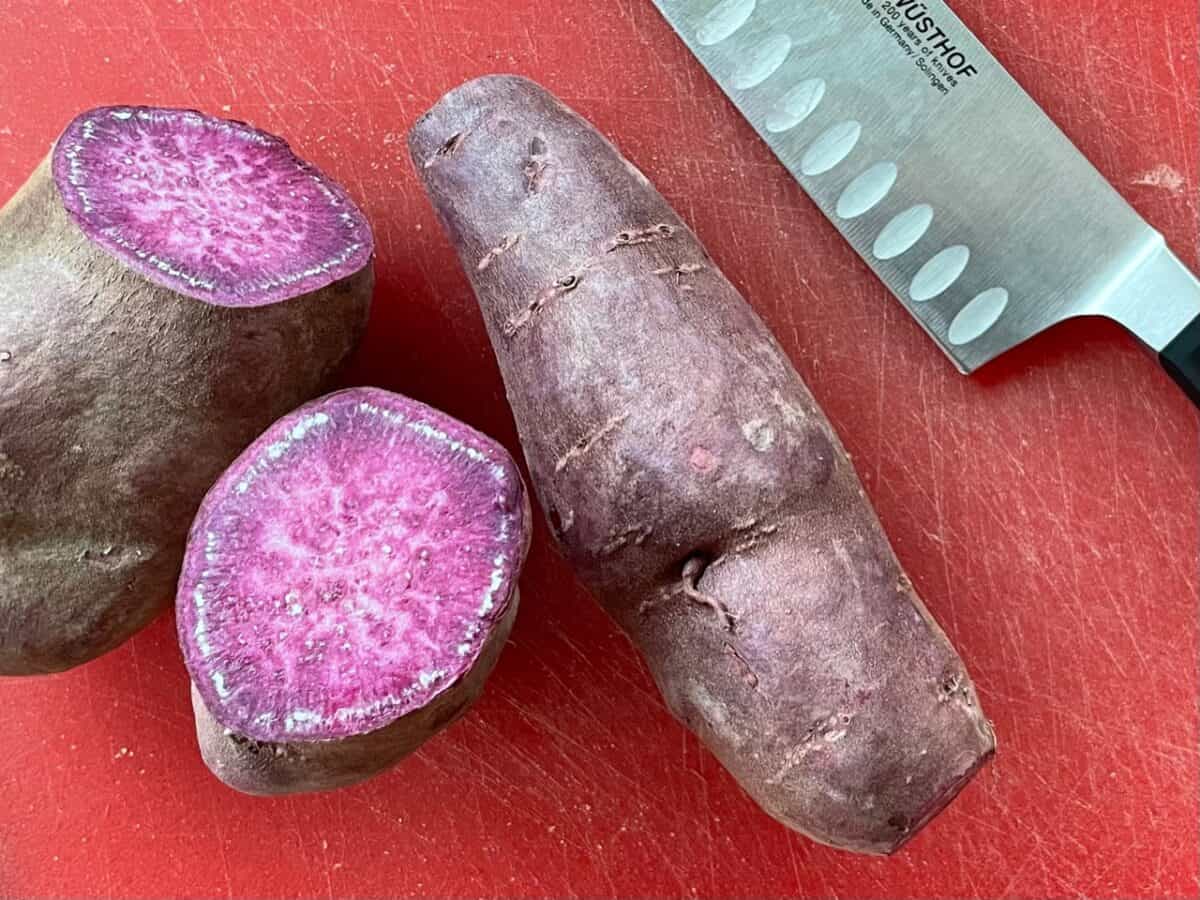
column 1046, row 509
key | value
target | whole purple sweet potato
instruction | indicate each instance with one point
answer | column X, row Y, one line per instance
column 170, row 284
column 690, row 477
column 348, row 586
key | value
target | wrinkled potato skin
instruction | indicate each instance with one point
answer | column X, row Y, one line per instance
column 693, row 482
column 120, row 403
column 272, row 769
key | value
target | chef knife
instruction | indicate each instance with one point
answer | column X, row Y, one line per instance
column 961, row 194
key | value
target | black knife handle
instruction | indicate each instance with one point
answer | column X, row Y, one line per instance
column 1182, row 359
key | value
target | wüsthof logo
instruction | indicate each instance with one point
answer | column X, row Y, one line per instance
column 939, row 42
column 913, row 25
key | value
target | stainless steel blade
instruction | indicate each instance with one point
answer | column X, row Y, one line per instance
column 960, row 193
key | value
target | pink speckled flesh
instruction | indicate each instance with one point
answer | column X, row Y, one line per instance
column 348, row 567
column 211, row 208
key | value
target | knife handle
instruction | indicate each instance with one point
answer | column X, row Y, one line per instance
column 1181, row 358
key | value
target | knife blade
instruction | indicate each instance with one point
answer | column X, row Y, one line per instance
column 954, row 186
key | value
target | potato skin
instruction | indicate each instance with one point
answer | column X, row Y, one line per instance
column 120, row 403
column 269, row 769
column 693, row 482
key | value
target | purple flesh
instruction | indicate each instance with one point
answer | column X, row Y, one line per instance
column 348, row 567
column 210, row 208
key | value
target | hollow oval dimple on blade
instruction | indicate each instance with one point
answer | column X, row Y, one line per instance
column 796, row 105
column 868, row 190
column 939, row 274
column 723, row 21
column 978, row 317
column 829, row 150
column 903, row 232
column 762, row 62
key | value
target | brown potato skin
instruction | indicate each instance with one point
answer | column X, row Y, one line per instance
column 120, row 403
column 267, row 769
column 693, row 482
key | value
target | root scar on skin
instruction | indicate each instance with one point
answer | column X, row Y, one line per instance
column 676, row 273
column 756, row 537
column 955, row 688
column 509, row 241
column 564, row 285
column 448, row 148
column 535, row 174
column 692, row 571
column 585, row 444
column 568, row 283
column 620, row 540
column 634, row 236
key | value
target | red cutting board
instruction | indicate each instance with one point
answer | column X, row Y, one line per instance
column 1048, row 510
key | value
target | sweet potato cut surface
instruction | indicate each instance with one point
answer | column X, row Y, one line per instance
column 348, row 567
column 170, row 284
column 208, row 207
column 354, row 565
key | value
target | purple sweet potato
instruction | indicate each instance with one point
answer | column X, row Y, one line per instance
column 694, row 483
column 348, row 585
column 170, row 284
